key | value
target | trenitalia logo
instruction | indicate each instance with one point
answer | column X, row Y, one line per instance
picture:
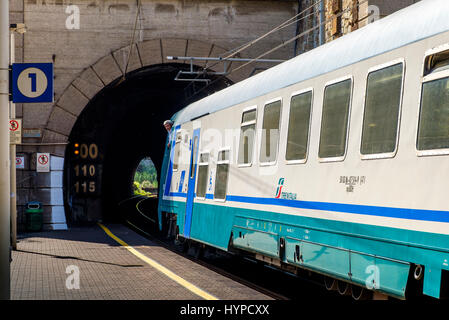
column 279, row 189
column 282, row 194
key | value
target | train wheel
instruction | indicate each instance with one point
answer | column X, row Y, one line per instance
column 185, row 246
column 199, row 252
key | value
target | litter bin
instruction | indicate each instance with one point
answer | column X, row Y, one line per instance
column 33, row 214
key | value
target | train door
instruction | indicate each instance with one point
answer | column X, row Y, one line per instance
column 191, row 182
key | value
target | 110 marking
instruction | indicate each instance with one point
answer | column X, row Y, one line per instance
column 84, row 170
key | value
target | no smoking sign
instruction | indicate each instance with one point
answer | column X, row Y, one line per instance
column 15, row 131
column 20, row 162
column 43, row 162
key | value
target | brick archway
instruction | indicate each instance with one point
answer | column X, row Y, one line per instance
column 94, row 78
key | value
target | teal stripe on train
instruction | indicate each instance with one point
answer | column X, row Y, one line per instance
column 213, row 224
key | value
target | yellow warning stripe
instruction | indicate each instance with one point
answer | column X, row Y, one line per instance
column 159, row 267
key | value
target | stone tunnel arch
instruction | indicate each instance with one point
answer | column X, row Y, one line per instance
column 98, row 107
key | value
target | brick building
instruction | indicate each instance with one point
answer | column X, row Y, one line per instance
column 329, row 19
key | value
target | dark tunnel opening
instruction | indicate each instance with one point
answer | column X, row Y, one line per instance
column 119, row 127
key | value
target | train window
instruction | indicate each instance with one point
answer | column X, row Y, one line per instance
column 436, row 62
column 221, row 178
column 433, row 127
column 223, row 155
column 193, row 157
column 298, row 126
column 247, row 134
column 270, row 132
column 334, row 121
column 177, row 152
column 203, row 172
column 382, row 110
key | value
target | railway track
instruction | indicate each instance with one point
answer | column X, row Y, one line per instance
column 270, row 281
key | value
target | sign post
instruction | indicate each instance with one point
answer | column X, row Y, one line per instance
column 5, row 220
column 15, row 133
column 31, row 83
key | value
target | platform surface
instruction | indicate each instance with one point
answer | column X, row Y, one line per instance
column 88, row 264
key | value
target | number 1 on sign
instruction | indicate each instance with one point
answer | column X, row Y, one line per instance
column 32, row 76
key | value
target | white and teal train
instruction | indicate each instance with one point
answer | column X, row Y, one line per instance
column 336, row 161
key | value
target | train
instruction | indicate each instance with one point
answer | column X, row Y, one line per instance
column 335, row 162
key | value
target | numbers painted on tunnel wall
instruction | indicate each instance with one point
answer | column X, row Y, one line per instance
column 88, row 151
column 85, row 151
column 85, row 169
column 85, row 187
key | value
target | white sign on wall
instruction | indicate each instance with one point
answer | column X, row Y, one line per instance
column 15, row 131
column 43, row 162
column 20, row 162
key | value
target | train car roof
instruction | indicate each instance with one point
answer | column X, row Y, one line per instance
column 416, row 22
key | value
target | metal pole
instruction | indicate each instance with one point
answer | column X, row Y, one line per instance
column 12, row 152
column 223, row 59
column 5, row 221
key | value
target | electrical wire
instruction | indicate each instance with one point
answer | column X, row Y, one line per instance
column 283, row 25
column 230, row 53
column 297, row 37
column 132, row 39
column 284, row 43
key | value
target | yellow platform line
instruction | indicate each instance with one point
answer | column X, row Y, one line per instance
column 186, row 284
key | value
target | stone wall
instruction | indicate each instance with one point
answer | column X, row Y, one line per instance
column 344, row 16
column 97, row 51
column 88, row 56
column 341, row 18
column 45, row 187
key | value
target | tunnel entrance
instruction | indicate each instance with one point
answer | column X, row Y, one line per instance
column 119, row 127
column 145, row 181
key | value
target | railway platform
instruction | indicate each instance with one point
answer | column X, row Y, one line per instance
column 112, row 262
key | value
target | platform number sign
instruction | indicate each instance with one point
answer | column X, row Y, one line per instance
column 85, row 169
column 32, row 82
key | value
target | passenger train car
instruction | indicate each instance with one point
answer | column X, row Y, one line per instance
column 336, row 161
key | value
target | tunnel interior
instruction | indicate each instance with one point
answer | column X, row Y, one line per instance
column 119, row 127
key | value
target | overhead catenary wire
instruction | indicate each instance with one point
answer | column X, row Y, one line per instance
column 132, row 38
column 298, row 36
column 284, row 43
column 230, row 53
column 283, row 25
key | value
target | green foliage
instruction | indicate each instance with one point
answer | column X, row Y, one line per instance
column 145, row 179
